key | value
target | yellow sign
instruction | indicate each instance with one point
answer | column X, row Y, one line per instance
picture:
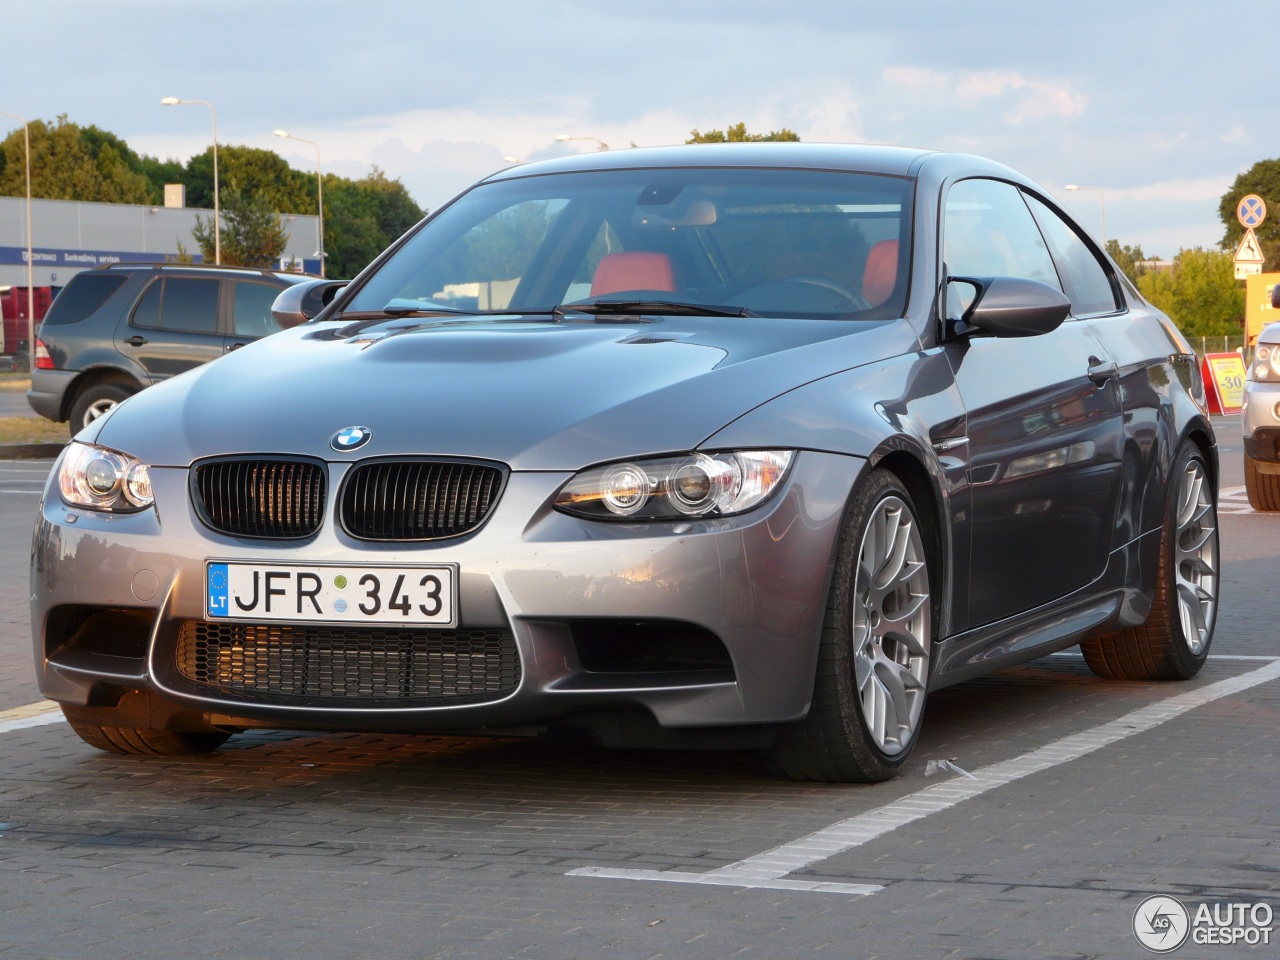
column 1228, row 373
column 1258, row 311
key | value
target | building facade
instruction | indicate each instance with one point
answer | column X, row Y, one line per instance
column 69, row 236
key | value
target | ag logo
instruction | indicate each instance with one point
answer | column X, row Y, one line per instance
column 349, row 438
column 1161, row 924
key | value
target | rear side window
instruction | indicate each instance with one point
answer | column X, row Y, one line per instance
column 186, row 304
column 83, row 295
column 253, row 309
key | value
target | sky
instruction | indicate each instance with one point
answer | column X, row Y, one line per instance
column 1156, row 106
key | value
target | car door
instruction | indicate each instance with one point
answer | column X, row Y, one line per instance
column 174, row 326
column 1043, row 424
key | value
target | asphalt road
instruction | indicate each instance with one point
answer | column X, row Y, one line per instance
column 13, row 403
column 1090, row 796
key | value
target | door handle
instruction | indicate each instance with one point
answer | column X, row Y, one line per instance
column 136, row 341
column 1100, row 372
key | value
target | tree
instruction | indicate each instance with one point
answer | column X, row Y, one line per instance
column 362, row 218
column 69, row 162
column 1131, row 260
column 252, row 235
column 1200, row 293
column 1263, row 178
column 737, row 133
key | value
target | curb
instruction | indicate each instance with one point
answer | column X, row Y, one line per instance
column 30, row 451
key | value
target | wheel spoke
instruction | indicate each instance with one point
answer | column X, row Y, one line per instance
column 891, row 626
column 1195, row 557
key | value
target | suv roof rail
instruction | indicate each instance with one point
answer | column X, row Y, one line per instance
column 161, row 265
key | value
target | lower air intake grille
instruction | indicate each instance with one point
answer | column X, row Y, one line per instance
column 270, row 499
column 418, row 499
column 339, row 666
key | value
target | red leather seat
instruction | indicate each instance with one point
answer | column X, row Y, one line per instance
column 639, row 270
column 880, row 273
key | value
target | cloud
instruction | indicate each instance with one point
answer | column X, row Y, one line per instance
column 1203, row 188
column 1039, row 98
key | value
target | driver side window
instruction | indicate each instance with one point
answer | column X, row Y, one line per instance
column 989, row 232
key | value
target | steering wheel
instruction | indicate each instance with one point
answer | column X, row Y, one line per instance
column 855, row 300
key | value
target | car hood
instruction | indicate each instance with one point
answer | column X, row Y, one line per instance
column 537, row 395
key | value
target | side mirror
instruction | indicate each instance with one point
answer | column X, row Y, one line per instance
column 303, row 301
column 1007, row 306
column 1275, row 295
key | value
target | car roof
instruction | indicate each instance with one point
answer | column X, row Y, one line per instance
column 864, row 158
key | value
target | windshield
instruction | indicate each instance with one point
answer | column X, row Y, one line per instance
column 773, row 243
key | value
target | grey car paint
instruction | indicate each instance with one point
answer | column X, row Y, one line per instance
column 548, row 399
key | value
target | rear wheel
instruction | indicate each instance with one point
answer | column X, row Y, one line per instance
column 1174, row 642
column 1263, row 488
column 143, row 741
column 95, row 401
column 873, row 662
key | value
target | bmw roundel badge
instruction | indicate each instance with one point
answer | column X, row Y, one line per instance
column 349, row 438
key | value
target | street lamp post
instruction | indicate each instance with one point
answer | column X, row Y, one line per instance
column 564, row 136
column 1101, row 203
column 319, row 194
column 31, row 302
column 217, row 212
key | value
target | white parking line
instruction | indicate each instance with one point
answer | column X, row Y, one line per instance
column 769, row 870
column 1233, row 500
column 30, row 715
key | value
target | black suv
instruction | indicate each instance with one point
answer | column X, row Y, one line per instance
column 116, row 329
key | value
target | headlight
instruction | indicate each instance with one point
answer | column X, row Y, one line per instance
column 696, row 485
column 101, row 479
column 1266, row 363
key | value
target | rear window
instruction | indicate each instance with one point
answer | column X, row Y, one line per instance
column 82, row 296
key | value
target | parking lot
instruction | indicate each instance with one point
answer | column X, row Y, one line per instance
column 1082, row 797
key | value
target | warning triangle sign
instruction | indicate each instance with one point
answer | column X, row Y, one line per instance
column 1249, row 251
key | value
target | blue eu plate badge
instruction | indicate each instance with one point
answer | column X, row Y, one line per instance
column 217, row 589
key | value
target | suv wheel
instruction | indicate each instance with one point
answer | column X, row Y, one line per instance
column 94, row 401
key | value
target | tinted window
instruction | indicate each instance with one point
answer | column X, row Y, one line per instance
column 782, row 243
column 147, row 312
column 253, row 309
column 83, row 295
column 1089, row 284
column 190, row 305
column 989, row 232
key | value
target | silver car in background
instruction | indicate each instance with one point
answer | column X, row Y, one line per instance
column 1261, row 420
column 724, row 446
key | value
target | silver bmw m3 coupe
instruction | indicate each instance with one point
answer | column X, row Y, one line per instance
column 747, row 446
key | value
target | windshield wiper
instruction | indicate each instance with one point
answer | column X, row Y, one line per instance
column 672, row 308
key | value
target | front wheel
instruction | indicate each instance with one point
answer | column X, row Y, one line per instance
column 142, row 741
column 1174, row 642
column 873, row 661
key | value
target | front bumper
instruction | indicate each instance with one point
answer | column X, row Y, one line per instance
column 1261, row 421
column 757, row 582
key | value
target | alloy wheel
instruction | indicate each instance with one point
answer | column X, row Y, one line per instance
column 1196, row 557
column 891, row 626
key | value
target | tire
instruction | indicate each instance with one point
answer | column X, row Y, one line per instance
column 1263, row 488
column 1174, row 642
column 143, row 742
column 94, row 401
column 876, row 647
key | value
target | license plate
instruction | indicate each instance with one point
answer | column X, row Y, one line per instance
column 410, row 596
